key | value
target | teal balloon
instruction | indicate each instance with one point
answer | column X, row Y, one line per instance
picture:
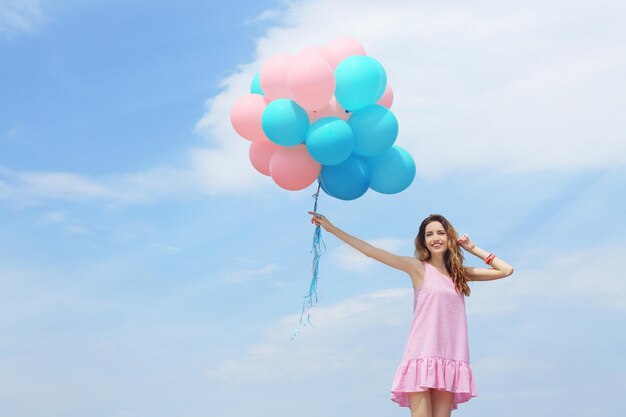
column 348, row 180
column 285, row 122
column 360, row 80
column 375, row 130
column 255, row 87
column 392, row 171
column 383, row 84
column 330, row 141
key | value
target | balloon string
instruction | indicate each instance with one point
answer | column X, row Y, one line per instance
column 318, row 249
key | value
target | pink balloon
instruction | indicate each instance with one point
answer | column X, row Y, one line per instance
column 311, row 81
column 273, row 76
column 245, row 116
column 387, row 98
column 341, row 48
column 260, row 155
column 293, row 168
column 320, row 52
column 332, row 109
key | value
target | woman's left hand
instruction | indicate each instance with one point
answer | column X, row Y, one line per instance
column 465, row 242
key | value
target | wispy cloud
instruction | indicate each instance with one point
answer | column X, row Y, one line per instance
column 317, row 351
column 264, row 16
column 168, row 248
column 32, row 187
column 29, row 187
column 54, row 217
column 10, row 136
column 67, row 224
column 246, row 275
column 583, row 275
column 19, row 16
column 503, row 366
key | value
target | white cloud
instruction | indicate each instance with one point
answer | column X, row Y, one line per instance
column 225, row 170
column 28, row 187
column 61, row 219
column 587, row 276
column 10, row 136
column 54, row 217
column 349, row 259
column 31, row 187
column 75, row 229
column 168, row 248
column 383, row 316
column 326, row 349
column 207, row 172
column 503, row 87
column 265, row 16
column 502, row 366
column 26, row 293
column 19, row 16
column 246, row 275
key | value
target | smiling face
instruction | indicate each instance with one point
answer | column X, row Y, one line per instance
column 436, row 238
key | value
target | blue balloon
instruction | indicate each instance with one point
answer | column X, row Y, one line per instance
column 360, row 80
column 330, row 141
column 391, row 172
column 324, row 188
column 347, row 181
column 375, row 130
column 255, row 87
column 285, row 122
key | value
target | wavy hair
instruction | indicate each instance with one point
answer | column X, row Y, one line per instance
column 453, row 257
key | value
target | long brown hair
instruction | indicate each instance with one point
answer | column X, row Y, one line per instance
column 453, row 257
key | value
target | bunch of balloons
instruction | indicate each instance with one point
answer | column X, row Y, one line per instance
column 324, row 114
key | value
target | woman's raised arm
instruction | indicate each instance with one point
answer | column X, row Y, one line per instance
column 499, row 269
column 407, row 264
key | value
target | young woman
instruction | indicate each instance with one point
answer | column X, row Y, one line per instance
column 434, row 375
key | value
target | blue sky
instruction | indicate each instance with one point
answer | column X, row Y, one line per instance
column 147, row 270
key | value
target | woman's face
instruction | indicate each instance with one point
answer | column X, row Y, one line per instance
column 436, row 238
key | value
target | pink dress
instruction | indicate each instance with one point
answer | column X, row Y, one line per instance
column 437, row 352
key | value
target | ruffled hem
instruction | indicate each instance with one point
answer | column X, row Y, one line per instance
column 420, row 374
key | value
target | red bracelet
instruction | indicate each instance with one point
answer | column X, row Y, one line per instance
column 490, row 258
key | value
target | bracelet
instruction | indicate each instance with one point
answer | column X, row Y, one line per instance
column 490, row 258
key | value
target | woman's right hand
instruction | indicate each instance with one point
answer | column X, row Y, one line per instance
column 466, row 243
column 321, row 220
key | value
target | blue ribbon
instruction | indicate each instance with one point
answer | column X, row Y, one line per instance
column 318, row 249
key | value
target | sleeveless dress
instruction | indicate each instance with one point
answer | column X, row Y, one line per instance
column 436, row 354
